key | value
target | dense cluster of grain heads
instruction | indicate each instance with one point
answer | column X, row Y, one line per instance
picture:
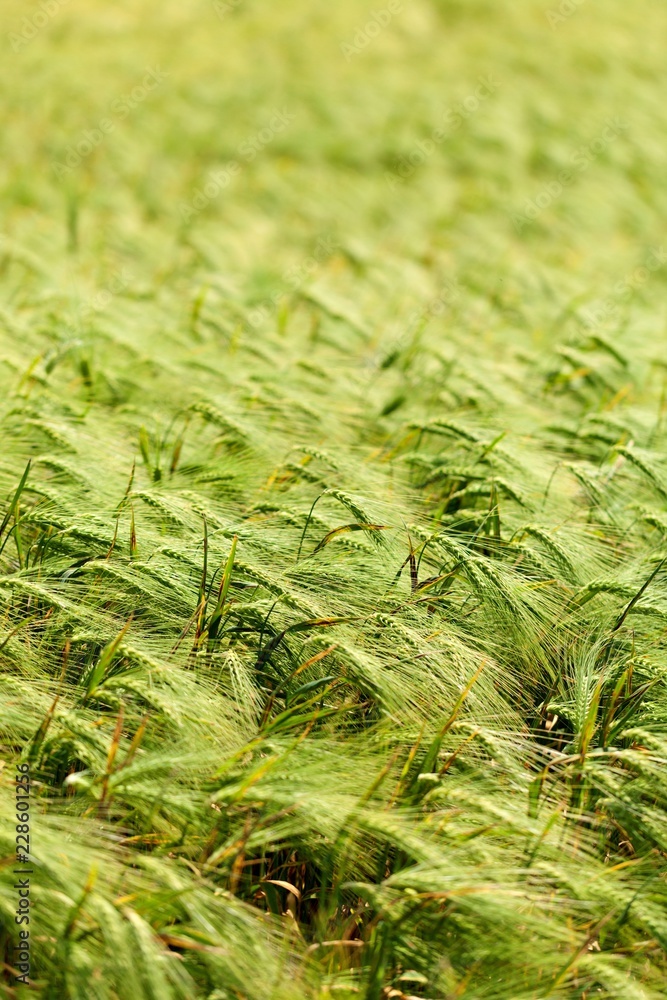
column 333, row 584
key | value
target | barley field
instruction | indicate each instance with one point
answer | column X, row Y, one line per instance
column 333, row 500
